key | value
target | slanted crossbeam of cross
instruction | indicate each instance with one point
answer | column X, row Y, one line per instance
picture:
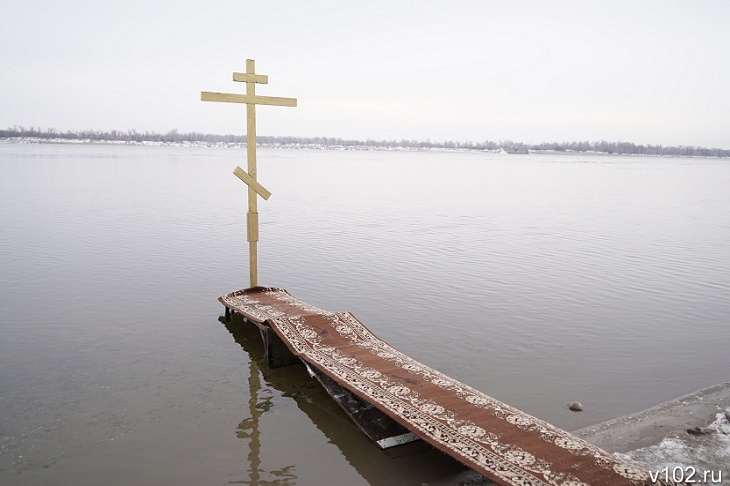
column 251, row 99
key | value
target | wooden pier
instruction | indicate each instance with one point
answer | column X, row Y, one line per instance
column 394, row 399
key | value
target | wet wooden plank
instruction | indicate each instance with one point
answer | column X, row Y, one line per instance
column 383, row 430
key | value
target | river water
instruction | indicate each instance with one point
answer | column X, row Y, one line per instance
column 537, row 279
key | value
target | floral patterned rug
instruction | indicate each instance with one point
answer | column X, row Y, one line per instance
column 500, row 442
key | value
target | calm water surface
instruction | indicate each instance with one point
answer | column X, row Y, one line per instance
column 538, row 279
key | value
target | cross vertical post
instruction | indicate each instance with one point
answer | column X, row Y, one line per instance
column 254, row 188
column 252, row 218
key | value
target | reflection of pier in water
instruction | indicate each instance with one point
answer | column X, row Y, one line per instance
column 408, row 464
column 249, row 429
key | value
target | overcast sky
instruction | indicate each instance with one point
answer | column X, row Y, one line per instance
column 654, row 72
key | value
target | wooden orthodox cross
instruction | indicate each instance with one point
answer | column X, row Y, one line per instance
column 251, row 99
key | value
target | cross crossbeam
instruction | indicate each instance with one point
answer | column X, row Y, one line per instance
column 252, row 183
column 251, row 99
column 255, row 100
column 251, row 78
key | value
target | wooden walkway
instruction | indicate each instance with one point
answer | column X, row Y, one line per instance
column 500, row 442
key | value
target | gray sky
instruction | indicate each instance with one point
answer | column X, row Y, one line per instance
column 650, row 71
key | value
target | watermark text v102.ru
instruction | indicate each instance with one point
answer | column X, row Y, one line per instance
column 688, row 475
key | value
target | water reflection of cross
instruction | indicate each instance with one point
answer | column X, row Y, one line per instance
column 251, row 99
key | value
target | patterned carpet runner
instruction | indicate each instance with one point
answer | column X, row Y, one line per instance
column 500, row 442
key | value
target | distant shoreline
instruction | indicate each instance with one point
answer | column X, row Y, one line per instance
column 173, row 137
column 320, row 146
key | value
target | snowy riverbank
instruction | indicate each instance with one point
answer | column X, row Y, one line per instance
column 689, row 435
column 690, row 432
